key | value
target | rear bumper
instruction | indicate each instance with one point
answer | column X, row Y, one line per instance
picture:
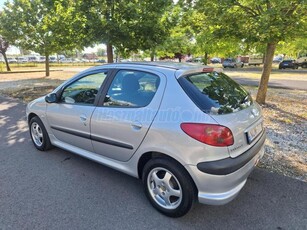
column 230, row 165
column 219, row 189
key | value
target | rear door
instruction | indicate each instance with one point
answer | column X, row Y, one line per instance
column 121, row 122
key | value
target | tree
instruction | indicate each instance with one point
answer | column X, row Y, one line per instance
column 292, row 48
column 4, row 44
column 181, row 39
column 267, row 22
column 43, row 26
column 127, row 25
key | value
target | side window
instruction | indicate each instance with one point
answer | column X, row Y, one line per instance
column 84, row 90
column 132, row 89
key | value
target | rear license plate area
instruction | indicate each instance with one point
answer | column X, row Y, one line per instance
column 254, row 132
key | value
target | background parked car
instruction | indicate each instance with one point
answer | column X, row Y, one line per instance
column 232, row 63
column 52, row 59
column 66, row 60
column 42, row 59
column 291, row 64
column 215, row 60
column 11, row 60
column 277, row 59
column 33, row 59
column 100, row 61
column 21, row 59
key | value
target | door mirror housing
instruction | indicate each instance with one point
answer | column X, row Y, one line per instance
column 51, row 98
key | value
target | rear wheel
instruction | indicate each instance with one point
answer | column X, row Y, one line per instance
column 168, row 187
column 39, row 134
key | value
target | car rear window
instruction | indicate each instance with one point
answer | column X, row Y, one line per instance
column 215, row 93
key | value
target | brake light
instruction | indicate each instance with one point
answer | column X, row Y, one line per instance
column 215, row 135
column 208, row 70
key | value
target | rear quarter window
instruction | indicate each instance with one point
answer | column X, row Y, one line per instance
column 215, row 93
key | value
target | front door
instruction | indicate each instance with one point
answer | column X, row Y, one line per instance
column 69, row 119
column 120, row 124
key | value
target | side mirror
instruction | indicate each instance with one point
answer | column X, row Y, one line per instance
column 51, row 98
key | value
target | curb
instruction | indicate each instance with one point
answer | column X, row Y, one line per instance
column 30, row 71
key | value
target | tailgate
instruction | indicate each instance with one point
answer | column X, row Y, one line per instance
column 246, row 126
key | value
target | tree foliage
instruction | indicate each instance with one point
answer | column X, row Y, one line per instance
column 128, row 25
column 257, row 22
column 43, row 26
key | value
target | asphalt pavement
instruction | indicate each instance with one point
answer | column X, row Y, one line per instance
column 60, row 190
column 273, row 83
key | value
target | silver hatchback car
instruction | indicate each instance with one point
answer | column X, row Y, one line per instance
column 188, row 131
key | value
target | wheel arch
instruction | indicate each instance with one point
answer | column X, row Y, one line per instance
column 150, row 155
column 31, row 115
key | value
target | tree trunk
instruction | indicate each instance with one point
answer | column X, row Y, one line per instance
column 6, row 62
column 266, row 71
column 110, row 53
column 152, row 55
column 47, row 64
column 206, row 58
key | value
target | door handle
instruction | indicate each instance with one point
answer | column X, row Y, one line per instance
column 136, row 125
column 83, row 118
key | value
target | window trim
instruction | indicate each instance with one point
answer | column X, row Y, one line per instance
column 77, row 78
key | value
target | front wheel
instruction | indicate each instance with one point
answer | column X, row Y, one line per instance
column 39, row 134
column 168, row 187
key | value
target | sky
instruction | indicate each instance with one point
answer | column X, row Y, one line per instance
column 2, row 3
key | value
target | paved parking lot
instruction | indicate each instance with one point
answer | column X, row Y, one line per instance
column 59, row 190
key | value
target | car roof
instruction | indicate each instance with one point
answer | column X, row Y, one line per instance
column 179, row 67
column 170, row 65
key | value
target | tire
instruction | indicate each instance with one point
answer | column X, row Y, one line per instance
column 168, row 187
column 304, row 66
column 39, row 134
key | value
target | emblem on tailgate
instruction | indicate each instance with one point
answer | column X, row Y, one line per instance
column 255, row 112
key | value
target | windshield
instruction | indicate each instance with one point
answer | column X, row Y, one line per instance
column 215, row 93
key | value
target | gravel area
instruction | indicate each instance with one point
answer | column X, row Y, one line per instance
column 285, row 118
column 285, row 115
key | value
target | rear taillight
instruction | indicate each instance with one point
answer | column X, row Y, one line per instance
column 215, row 135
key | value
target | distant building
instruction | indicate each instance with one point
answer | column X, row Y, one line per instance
column 90, row 56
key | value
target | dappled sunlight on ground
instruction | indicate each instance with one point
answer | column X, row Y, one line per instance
column 13, row 123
